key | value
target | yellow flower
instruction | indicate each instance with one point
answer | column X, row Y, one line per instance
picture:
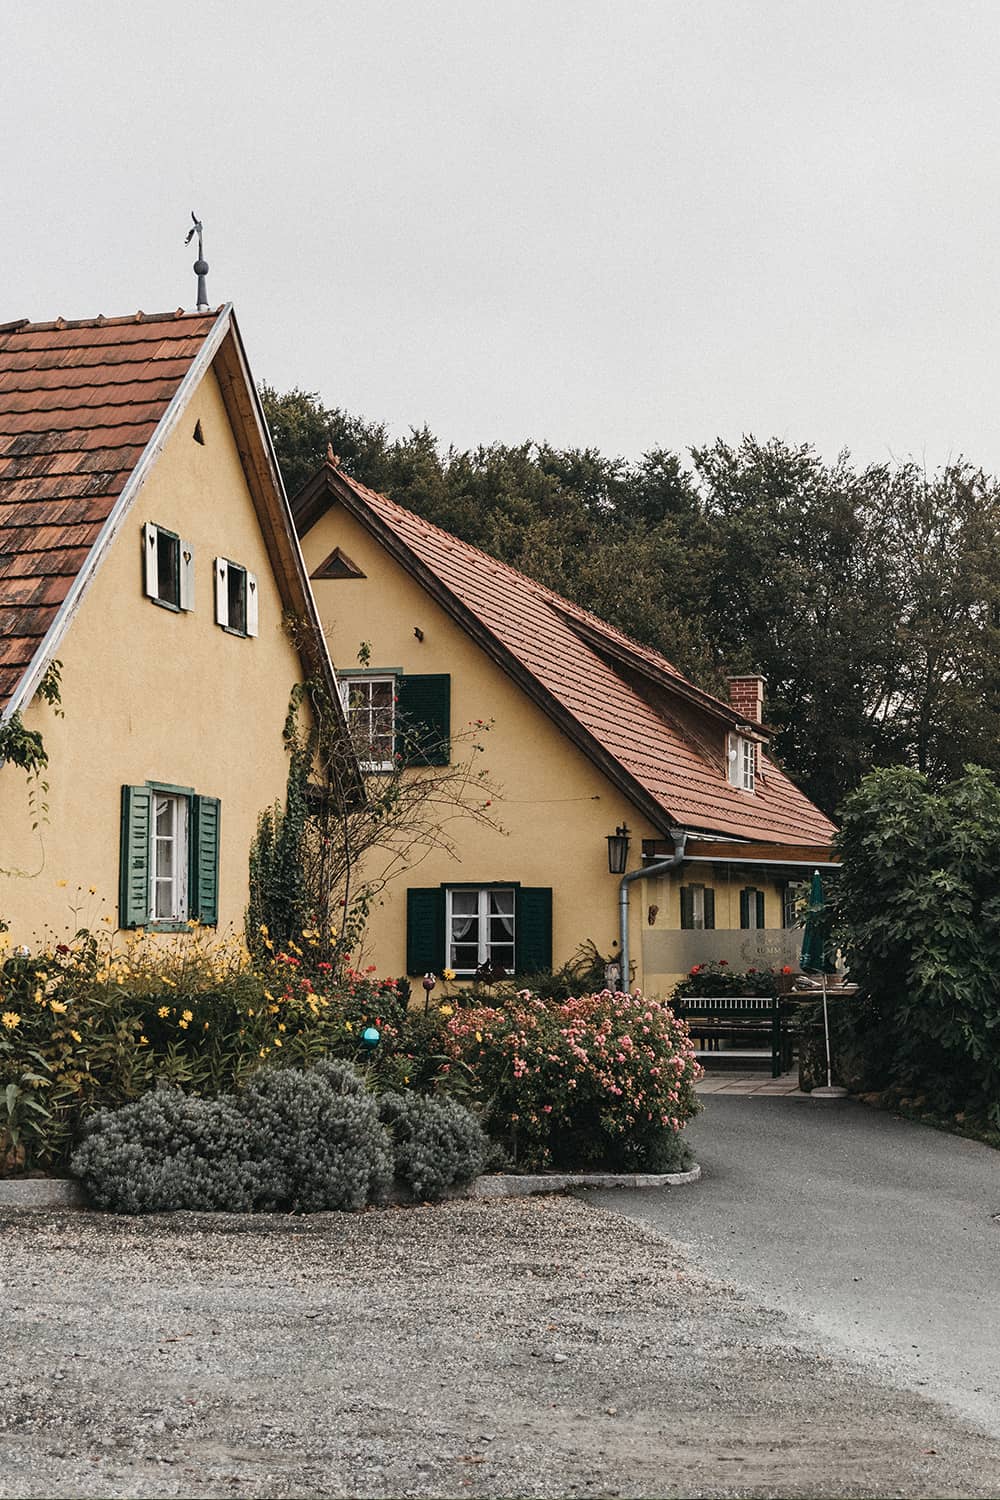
column 281, row 1026
column 58, row 1007
column 249, row 1012
column 183, row 1025
column 277, row 1041
column 479, row 1036
column 264, row 1051
column 76, row 1036
column 163, row 1012
column 38, row 998
column 348, row 1026
column 269, row 996
column 10, row 1019
column 268, row 944
column 264, row 930
column 272, row 1010
column 448, row 974
column 144, row 1041
column 188, row 1015
column 447, row 1010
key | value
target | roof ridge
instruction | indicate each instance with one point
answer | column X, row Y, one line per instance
column 549, row 594
column 24, row 325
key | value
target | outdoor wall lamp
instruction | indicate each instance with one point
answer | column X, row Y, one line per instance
column 618, row 843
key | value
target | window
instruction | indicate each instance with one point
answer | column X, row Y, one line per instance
column 697, row 906
column 481, row 929
column 370, row 706
column 794, row 899
column 463, row 927
column 742, row 762
column 752, row 908
column 236, row 607
column 168, row 897
column 169, row 869
column 169, row 568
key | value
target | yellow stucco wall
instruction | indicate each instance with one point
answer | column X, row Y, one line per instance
column 154, row 695
column 556, row 808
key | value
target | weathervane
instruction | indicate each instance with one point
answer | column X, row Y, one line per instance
column 201, row 264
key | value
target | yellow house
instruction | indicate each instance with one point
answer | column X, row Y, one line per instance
column 591, row 733
column 146, row 547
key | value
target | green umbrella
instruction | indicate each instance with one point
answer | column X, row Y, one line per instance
column 817, row 957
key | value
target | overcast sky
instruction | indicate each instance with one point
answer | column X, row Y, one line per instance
column 611, row 224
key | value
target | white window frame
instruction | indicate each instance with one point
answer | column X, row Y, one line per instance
column 366, row 737
column 742, row 759
column 250, row 626
column 151, row 568
column 176, row 884
column 484, row 946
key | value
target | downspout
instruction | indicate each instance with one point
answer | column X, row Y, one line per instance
column 679, row 836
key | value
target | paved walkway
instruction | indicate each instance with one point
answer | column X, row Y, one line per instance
column 879, row 1234
column 787, row 1086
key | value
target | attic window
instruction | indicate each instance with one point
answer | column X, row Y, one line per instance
column 742, row 763
column 236, row 607
column 168, row 563
column 338, row 565
column 198, row 435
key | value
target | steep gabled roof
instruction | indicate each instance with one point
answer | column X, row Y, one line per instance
column 613, row 696
column 85, row 409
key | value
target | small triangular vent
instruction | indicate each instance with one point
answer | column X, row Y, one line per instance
column 338, row 565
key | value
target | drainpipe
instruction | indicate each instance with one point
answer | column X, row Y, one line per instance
column 680, row 838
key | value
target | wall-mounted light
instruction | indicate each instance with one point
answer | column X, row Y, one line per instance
column 618, row 843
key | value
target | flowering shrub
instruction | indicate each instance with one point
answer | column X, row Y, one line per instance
column 719, row 979
column 98, row 1022
column 599, row 1080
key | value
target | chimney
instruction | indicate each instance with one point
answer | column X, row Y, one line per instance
column 746, row 694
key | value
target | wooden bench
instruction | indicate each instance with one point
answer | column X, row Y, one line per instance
column 715, row 1018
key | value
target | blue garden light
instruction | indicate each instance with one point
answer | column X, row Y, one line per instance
column 370, row 1038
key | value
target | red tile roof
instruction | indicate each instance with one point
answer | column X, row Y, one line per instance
column 79, row 401
column 568, row 651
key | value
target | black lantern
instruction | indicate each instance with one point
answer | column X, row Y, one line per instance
column 618, row 843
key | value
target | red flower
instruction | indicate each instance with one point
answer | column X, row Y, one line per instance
column 787, row 969
column 723, row 963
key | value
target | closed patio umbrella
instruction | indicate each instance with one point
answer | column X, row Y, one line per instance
column 817, row 959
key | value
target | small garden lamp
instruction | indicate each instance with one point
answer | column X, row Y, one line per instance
column 618, row 843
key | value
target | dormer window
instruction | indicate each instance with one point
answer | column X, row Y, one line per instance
column 742, row 759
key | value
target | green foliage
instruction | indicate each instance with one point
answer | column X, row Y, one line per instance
column 325, row 1145
column 95, row 1024
column 601, row 1080
column 920, row 914
column 719, row 979
column 437, row 1143
column 171, row 1151
column 279, row 903
column 291, row 1140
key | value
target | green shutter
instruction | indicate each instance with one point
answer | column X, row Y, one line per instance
column 760, row 909
column 709, row 900
column 423, row 719
column 532, row 929
column 425, row 930
column 205, row 818
column 133, row 864
column 744, row 908
column 687, row 906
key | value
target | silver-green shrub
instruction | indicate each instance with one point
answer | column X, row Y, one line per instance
column 170, row 1150
column 324, row 1145
column 437, row 1143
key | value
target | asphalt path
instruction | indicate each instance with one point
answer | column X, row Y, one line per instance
column 880, row 1234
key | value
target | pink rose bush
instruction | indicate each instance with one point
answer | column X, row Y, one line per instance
column 603, row 1080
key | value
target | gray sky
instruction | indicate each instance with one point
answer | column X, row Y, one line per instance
column 612, row 224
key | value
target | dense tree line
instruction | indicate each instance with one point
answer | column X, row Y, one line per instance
column 869, row 597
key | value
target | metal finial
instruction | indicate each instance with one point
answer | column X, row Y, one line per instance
column 201, row 264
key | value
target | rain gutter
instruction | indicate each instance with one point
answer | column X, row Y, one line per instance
column 680, row 838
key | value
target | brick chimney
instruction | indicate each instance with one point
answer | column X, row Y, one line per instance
column 746, row 694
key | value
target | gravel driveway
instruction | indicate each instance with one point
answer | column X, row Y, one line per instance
column 520, row 1347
